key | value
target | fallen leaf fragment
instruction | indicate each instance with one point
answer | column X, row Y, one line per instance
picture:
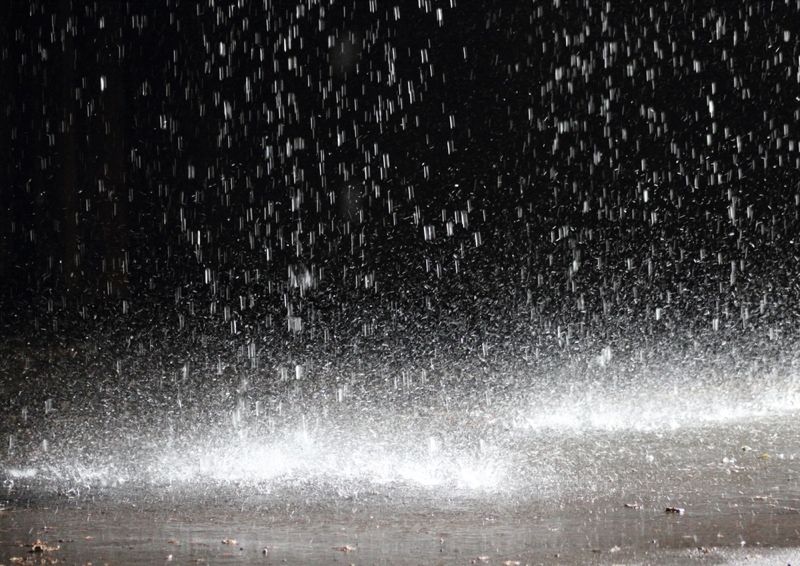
column 675, row 510
column 41, row 546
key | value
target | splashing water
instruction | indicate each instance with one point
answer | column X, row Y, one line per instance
column 511, row 444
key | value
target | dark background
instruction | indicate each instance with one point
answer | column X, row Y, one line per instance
column 248, row 184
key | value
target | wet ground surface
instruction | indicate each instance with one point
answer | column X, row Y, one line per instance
column 594, row 496
column 373, row 533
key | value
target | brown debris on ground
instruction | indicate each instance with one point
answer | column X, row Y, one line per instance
column 346, row 548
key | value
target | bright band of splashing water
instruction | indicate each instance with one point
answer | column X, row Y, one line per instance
column 430, row 454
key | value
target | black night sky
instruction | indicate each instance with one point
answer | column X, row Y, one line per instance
column 458, row 179
column 327, row 178
column 467, row 180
